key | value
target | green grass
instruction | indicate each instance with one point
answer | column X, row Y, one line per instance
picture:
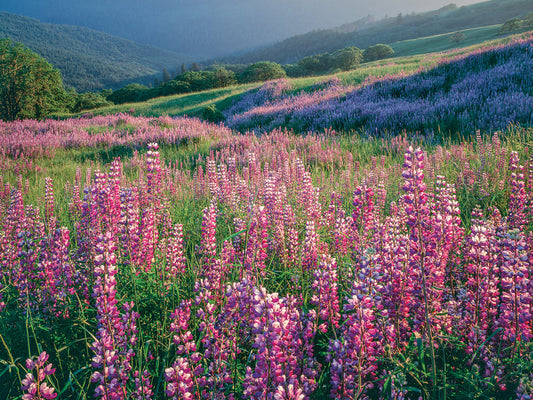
column 191, row 104
column 439, row 43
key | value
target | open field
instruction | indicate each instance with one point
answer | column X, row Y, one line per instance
column 144, row 256
column 438, row 43
column 275, row 266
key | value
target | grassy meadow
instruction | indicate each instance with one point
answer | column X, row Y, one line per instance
column 145, row 256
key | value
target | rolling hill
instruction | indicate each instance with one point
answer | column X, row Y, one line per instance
column 493, row 74
column 390, row 30
column 89, row 59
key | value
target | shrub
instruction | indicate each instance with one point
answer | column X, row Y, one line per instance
column 129, row 94
column 457, row 37
column 377, row 52
column 347, row 58
column 212, row 114
column 263, row 71
column 88, row 101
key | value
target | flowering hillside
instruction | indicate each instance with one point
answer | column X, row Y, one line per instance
column 488, row 89
column 210, row 264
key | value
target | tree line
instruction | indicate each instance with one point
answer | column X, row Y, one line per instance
column 219, row 76
column 30, row 87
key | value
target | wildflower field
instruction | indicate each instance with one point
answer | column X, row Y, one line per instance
column 487, row 87
column 170, row 258
column 181, row 260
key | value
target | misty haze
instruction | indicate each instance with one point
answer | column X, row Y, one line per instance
column 208, row 28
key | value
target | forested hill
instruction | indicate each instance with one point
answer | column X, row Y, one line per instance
column 401, row 27
column 89, row 59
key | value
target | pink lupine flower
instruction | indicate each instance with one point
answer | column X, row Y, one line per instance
column 117, row 333
column 363, row 218
column 482, row 285
column 208, row 244
column 289, row 392
column 143, row 386
column 310, row 248
column 423, row 242
column 256, row 247
column 149, row 240
column 282, row 338
column 516, row 308
column 517, row 198
column 184, row 379
column 354, row 354
column 129, row 227
column 49, row 205
column 35, row 386
column 211, row 171
column 154, row 177
column 325, row 295
column 342, row 232
column 57, row 272
column 289, row 220
column 176, row 261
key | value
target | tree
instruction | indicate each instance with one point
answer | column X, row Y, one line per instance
column 347, row 58
column 510, row 25
column 377, row 52
column 29, row 86
column 195, row 67
column 223, row 77
column 263, row 71
column 166, row 76
column 87, row 101
column 129, row 94
column 183, row 68
column 457, row 37
column 317, row 63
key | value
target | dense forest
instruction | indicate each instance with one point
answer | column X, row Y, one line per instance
column 88, row 59
column 389, row 30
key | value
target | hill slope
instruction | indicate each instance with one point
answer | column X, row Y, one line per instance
column 487, row 88
column 88, row 59
column 444, row 20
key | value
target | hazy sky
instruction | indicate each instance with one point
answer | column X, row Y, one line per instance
column 213, row 27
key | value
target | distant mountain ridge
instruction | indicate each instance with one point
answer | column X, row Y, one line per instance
column 366, row 32
column 89, row 59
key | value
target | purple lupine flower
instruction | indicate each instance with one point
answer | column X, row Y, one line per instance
column 176, row 261
column 116, row 336
column 516, row 308
column 310, row 248
column 256, row 248
column 208, row 244
column 517, row 198
column 184, row 379
column 282, row 338
column 325, row 294
column 36, row 386
column 482, row 285
column 49, row 205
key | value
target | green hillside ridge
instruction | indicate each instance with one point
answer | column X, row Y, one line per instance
column 390, row 30
column 193, row 104
column 89, row 59
column 442, row 42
